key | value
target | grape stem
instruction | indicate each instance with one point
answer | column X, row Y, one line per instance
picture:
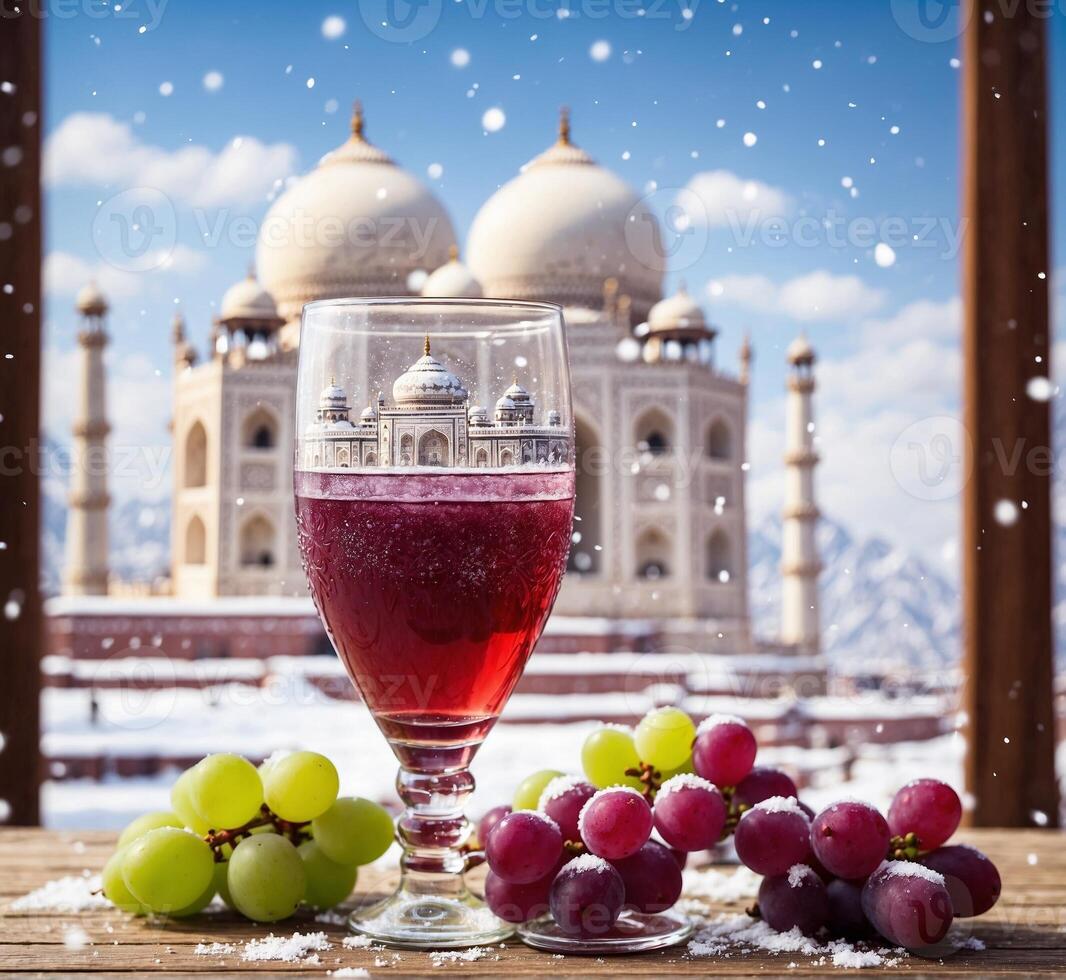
column 296, row 832
column 904, row 847
column 650, row 777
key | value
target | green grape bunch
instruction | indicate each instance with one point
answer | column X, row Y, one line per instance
column 266, row 840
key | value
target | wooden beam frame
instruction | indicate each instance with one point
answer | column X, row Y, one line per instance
column 1007, row 569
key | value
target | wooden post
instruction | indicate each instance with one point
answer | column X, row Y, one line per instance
column 1007, row 590
column 20, row 368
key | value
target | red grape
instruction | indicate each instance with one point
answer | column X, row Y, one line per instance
column 563, row 799
column 970, row 877
column 518, row 903
column 651, row 877
column 724, row 750
column 689, row 813
column 850, row 838
column 762, row 783
column 846, row 916
column 615, row 822
column 524, row 846
column 908, row 904
column 927, row 808
column 795, row 900
column 773, row 836
column 487, row 822
column 586, row 896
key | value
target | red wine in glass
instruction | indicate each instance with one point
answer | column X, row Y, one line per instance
column 434, row 588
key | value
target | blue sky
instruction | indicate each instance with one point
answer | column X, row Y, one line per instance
column 648, row 104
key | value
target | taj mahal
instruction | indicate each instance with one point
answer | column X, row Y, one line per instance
column 659, row 422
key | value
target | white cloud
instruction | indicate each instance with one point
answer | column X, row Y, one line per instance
column 94, row 148
column 65, row 273
column 922, row 319
column 729, row 200
column 818, row 295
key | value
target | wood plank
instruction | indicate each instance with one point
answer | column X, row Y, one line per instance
column 1007, row 590
column 20, row 312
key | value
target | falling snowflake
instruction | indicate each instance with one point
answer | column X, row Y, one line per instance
column 600, row 50
column 333, row 27
column 493, row 120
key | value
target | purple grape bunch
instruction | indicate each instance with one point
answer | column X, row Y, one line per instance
column 615, row 841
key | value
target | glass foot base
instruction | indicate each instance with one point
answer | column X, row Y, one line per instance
column 430, row 922
column 632, row 933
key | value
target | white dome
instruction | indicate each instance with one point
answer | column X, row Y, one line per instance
column 356, row 225
column 559, row 229
column 247, row 300
column 427, row 380
column 369, row 414
column 505, row 404
column 90, row 300
column 800, row 351
column 453, row 279
column 516, row 393
column 677, row 312
column 333, row 396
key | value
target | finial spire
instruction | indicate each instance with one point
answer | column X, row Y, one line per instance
column 425, row 349
column 564, row 126
column 251, row 270
column 453, row 252
column 357, row 120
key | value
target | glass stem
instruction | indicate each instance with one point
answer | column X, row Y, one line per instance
column 433, row 830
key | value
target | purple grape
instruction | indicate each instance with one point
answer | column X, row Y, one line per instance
column 615, row 823
column 773, row 836
column 929, row 809
column 970, row 877
column 724, row 750
column 846, row 916
column 681, row 857
column 586, row 896
column 651, row 877
column 524, row 846
column 562, row 800
column 518, row 903
column 806, row 809
column 762, row 783
column 850, row 838
column 908, row 904
column 795, row 900
column 689, row 813
column 488, row 822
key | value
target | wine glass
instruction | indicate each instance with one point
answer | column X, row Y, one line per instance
column 434, row 481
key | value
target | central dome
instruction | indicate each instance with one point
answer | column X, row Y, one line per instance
column 563, row 226
column 427, row 381
column 356, row 225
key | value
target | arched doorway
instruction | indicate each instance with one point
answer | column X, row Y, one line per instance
column 653, row 555
column 257, row 542
column 260, row 430
column 654, row 432
column 585, row 552
column 433, row 449
column 719, row 440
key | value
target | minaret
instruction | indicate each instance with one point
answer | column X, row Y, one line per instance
column 799, row 550
column 746, row 357
column 86, row 563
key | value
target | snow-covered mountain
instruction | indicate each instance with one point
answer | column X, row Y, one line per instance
column 879, row 603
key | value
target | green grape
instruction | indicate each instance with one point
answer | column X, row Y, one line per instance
column 685, row 767
column 167, row 868
column 181, row 801
column 222, row 883
column 203, row 900
column 266, row 878
column 328, row 883
column 301, row 785
column 664, row 737
column 148, row 821
column 527, row 796
column 606, row 755
column 354, row 831
column 226, row 790
column 115, row 890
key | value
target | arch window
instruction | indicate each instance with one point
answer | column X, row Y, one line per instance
column 482, row 457
column 257, row 543
column 719, row 557
column 506, row 457
column 585, row 554
column 260, row 430
column 719, row 440
column 371, row 459
column 653, row 556
column 196, row 456
column 655, row 433
column 195, row 542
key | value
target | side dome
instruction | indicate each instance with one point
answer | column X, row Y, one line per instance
column 247, row 300
column 679, row 313
column 90, row 301
column 356, row 225
column 558, row 230
column 453, row 279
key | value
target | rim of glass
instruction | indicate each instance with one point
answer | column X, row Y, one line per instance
column 488, row 302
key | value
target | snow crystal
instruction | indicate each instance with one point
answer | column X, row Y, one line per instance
column 911, row 869
column 684, row 780
column 74, row 937
column 586, row 862
column 797, row 873
column 559, row 786
column 214, row 949
column 721, row 886
column 779, row 804
column 70, row 894
column 288, row 950
column 357, row 942
column 349, row 971
column 540, row 816
column 712, row 721
column 459, row 955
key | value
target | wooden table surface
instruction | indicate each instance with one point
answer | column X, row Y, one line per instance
column 1023, row 934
